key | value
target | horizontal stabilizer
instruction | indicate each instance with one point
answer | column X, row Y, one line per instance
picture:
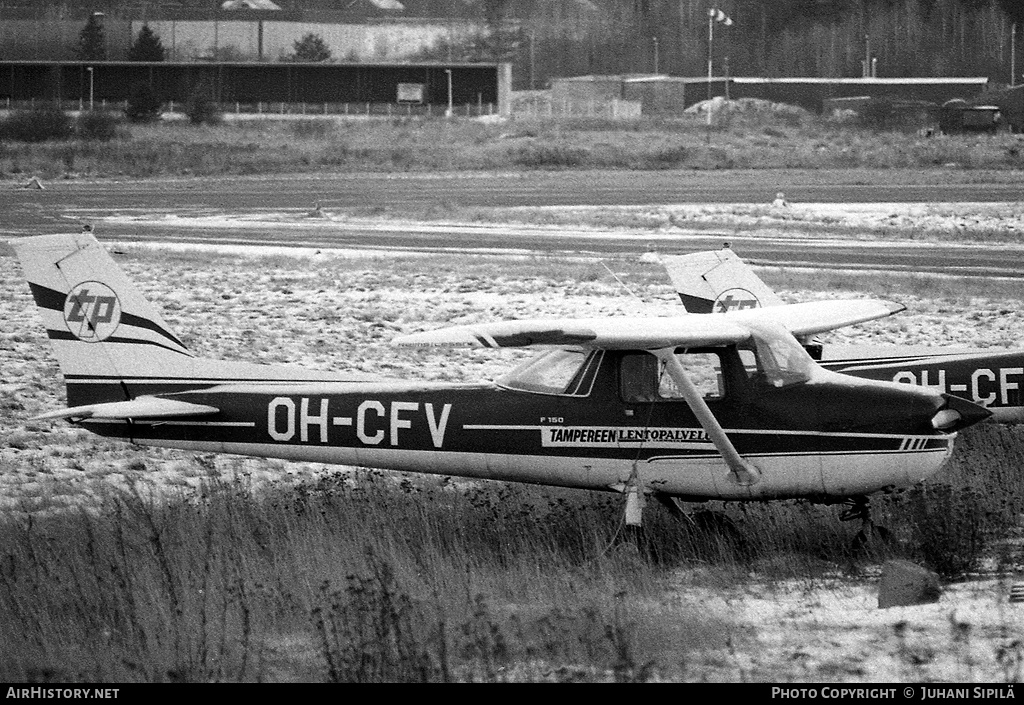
column 141, row 408
column 654, row 333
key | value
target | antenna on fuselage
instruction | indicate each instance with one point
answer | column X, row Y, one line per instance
column 621, row 283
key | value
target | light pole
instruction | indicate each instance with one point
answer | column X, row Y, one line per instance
column 533, row 59
column 98, row 16
column 89, row 69
column 449, row 112
column 655, row 54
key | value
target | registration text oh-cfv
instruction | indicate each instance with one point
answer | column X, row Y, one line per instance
column 374, row 421
column 986, row 386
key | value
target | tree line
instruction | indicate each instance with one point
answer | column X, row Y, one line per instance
column 775, row 38
column 816, row 38
column 147, row 45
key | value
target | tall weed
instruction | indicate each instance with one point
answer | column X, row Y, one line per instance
column 98, row 125
column 549, row 156
column 40, row 124
column 390, row 580
column 749, row 141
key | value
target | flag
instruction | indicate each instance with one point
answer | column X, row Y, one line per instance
column 720, row 16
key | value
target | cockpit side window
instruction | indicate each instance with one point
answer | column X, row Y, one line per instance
column 703, row 369
column 565, row 372
column 643, row 378
column 638, row 377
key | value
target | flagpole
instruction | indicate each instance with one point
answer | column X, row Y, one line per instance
column 711, row 39
column 1013, row 54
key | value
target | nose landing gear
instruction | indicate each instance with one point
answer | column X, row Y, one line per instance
column 870, row 536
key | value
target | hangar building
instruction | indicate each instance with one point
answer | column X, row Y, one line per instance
column 475, row 88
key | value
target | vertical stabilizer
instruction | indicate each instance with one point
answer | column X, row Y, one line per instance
column 104, row 333
column 717, row 282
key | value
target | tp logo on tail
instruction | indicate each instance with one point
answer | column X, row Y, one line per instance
column 735, row 300
column 92, row 312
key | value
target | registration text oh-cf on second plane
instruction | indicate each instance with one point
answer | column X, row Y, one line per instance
column 691, row 407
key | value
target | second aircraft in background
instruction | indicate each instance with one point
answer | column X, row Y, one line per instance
column 719, row 281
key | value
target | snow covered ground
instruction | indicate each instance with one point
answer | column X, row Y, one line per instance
column 832, row 631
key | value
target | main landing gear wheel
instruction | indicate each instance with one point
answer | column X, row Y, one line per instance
column 870, row 536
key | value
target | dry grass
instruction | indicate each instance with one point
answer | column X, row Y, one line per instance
column 766, row 141
column 372, row 575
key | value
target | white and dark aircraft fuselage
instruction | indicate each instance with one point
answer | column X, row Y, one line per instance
column 595, row 437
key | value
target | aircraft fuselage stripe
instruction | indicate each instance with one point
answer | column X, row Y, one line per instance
column 175, row 422
column 751, row 431
column 410, row 427
column 196, row 382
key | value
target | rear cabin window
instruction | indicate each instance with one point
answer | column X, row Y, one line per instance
column 643, row 377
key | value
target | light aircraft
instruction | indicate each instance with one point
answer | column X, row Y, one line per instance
column 719, row 281
column 667, row 407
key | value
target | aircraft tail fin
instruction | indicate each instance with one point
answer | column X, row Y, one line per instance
column 106, row 336
column 717, row 282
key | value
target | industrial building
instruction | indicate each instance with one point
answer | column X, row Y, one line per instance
column 667, row 95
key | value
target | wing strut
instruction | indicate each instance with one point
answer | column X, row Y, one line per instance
column 742, row 472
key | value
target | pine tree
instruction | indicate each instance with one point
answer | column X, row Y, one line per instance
column 311, row 48
column 147, row 46
column 144, row 105
column 92, row 43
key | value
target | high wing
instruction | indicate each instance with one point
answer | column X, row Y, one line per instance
column 655, row 333
column 813, row 317
column 607, row 333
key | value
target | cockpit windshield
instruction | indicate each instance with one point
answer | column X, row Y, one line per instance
column 781, row 359
column 563, row 371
